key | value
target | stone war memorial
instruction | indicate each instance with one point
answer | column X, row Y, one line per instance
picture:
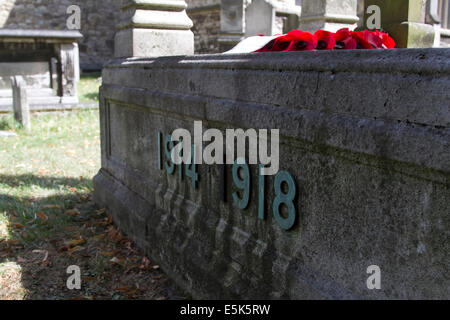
column 362, row 137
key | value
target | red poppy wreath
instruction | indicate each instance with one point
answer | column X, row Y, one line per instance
column 297, row 40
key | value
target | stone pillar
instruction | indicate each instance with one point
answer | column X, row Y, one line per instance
column 330, row 15
column 433, row 18
column 152, row 28
column 405, row 22
column 20, row 102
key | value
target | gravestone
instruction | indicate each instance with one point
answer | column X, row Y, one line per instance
column 330, row 15
column 20, row 102
column 240, row 19
column 47, row 61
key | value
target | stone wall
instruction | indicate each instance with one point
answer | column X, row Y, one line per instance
column 98, row 22
column 99, row 19
column 364, row 137
column 206, row 29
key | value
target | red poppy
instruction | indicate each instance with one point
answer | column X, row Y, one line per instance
column 388, row 42
column 277, row 44
column 297, row 40
column 301, row 41
column 325, row 40
column 344, row 39
column 363, row 41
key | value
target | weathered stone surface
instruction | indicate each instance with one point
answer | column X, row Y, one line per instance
column 364, row 133
column 206, row 29
column 152, row 43
column 20, row 102
column 34, row 74
column 405, row 22
column 259, row 18
column 150, row 28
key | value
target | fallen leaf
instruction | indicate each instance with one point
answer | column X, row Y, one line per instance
column 128, row 245
column 146, row 264
column 46, row 263
column 75, row 243
column 42, row 215
column 75, row 249
column 52, row 206
column 100, row 211
column 73, row 212
column 114, row 234
column 18, row 225
column 111, row 253
column 5, row 254
column 86, row 278
column 12, row 242
column 104, row 222
column 134, row 266
column 99, row 236
column 118, row 261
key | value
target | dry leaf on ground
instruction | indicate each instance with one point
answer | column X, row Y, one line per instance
column 42, row 215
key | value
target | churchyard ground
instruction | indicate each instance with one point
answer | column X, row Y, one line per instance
column 48, row 221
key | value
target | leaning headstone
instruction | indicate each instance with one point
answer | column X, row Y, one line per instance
column 20, row 102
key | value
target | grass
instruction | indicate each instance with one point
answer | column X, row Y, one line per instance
column 88, row 87
column 49, row 222
column 57, row 158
